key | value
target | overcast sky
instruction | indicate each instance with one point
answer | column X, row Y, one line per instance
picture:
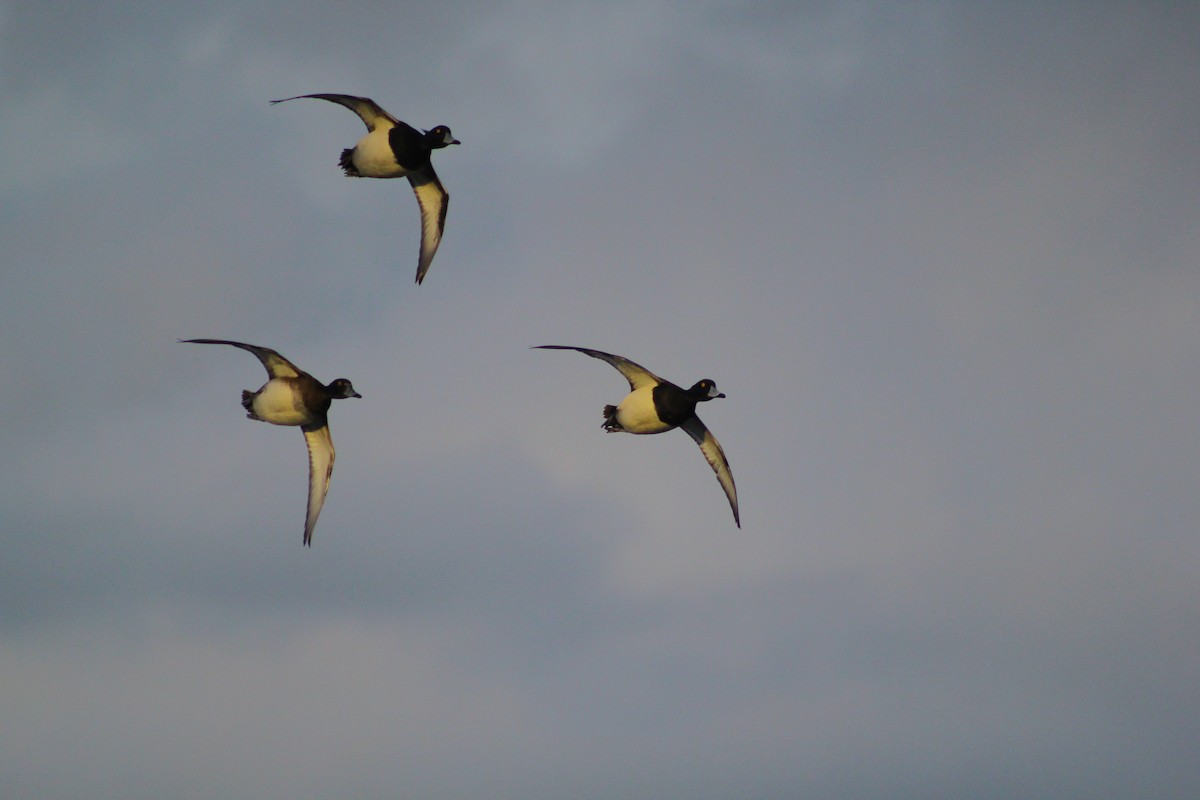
column 943, row 258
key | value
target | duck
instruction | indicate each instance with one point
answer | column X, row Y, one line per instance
column 393, row 149
column 655, row 405
column 293, row 397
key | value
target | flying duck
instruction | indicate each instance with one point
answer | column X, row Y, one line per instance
column 293, row 397
column 392, row 149
column 655, row 405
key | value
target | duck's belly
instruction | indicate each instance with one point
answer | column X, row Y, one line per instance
column 636, row 413
column 277, row 403
column 373, row 156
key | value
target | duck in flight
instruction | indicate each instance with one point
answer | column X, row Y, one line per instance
column 392, row 149
column 654, row 405
column 293, row 397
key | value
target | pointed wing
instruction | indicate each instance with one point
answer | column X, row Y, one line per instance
column 716, row 459
column 433, row 200
column 276, row 365
column 320, row 470
column 366, row 108
column 638, row 376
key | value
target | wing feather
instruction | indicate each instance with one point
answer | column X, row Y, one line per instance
column 434, row 201
column 715, row 455
column 367, row 109
column 637, row 375
column 276, row 365
column 320, row 470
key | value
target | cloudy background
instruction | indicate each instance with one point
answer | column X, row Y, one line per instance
column 944, row 259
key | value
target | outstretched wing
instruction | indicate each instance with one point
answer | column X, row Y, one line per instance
column 366, row 108
column 276, row 365
column 638, row 376
column 433, row 200
column 320, row 470
column 716, row 459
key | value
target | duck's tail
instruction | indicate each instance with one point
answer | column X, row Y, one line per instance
column 248, row 403
column 346, row 162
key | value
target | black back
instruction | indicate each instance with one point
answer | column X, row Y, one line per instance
column 409, row 146
column 672, row 404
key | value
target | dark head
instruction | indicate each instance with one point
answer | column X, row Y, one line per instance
column 440, row 137
column 341, row 389
column 704, row 390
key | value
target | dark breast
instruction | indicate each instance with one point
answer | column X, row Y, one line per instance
column 409, row 148
column 314, row 396
column 672, row 404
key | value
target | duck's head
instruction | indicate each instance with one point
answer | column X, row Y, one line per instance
column 704, row 390
column 341, row 389
column 439, row 137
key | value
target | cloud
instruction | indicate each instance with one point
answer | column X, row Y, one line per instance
column 940, row 261
column 47, row 150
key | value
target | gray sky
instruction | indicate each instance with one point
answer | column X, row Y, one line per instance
column 941, row 257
